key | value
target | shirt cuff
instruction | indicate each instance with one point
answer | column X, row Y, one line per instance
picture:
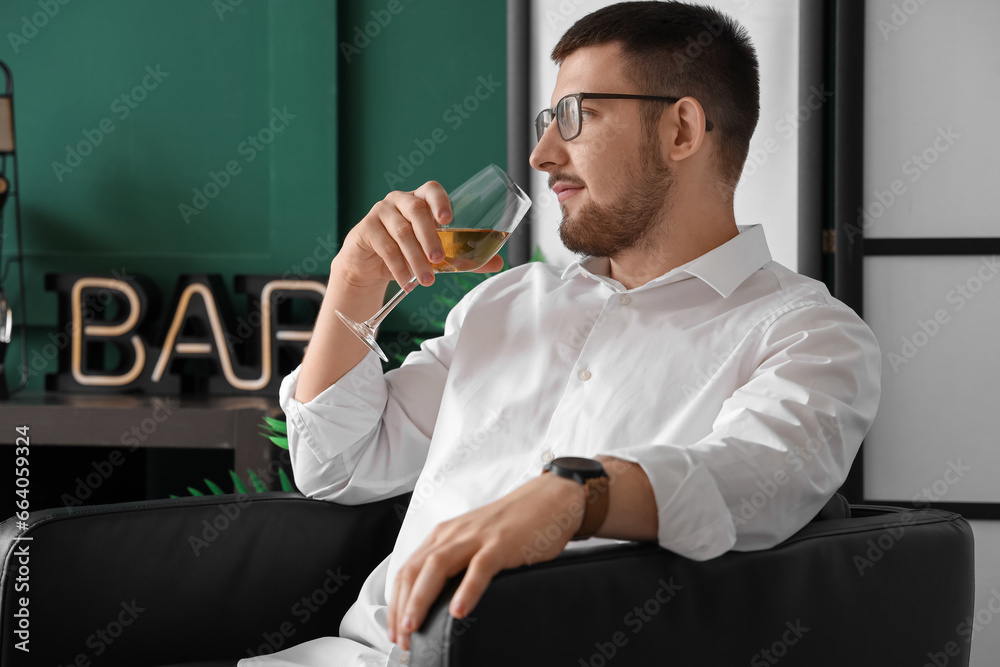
column 341, row 415
column 692, row 515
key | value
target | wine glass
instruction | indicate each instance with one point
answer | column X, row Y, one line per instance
column 485, row 211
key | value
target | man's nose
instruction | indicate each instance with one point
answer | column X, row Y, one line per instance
column 550, row 151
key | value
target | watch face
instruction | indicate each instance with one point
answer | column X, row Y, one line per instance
column 578, row 466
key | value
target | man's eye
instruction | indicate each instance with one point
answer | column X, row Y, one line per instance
column 585, row 114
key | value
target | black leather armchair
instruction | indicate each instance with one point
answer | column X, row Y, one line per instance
column 214, row 579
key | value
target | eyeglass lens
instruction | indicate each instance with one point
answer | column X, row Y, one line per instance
column 568, row 116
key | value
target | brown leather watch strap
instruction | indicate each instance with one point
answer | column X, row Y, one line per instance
column 596, row 508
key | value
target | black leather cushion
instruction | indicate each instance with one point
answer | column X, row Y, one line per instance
column 169, row 581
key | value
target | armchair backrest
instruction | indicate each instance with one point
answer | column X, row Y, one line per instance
column 222, row 575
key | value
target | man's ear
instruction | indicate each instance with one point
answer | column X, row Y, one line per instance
column 682, row 129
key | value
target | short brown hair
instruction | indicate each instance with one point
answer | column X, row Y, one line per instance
column 676, row 49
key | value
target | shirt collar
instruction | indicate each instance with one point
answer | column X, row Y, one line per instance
column 723, row 268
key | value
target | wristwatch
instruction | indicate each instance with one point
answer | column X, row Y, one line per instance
column 591, row 475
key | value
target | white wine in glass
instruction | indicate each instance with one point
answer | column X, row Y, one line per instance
column 485, row 211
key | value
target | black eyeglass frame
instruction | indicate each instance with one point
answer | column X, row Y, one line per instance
column 553, row 114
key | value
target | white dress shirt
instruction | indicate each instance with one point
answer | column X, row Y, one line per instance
column 741, row 388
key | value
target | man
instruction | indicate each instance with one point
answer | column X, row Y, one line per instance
column 676, row 353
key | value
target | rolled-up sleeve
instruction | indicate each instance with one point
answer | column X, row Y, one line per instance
column 366, row 437
column 782, row 443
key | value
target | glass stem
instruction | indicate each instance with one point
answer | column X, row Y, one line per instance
column 376, row 319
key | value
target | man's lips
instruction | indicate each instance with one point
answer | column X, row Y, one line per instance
column 565, row 190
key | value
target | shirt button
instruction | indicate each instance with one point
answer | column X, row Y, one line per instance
column 624, row 299
column 548, row 456
column 584, row 375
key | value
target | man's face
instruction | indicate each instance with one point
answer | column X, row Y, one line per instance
column 611, row 180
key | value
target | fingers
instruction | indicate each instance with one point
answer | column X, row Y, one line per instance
column 388, row 247
column 434, row 572
column 437, row 200
column 492, row 266
column 482, row 568
column 418, row 584
column 402, row 230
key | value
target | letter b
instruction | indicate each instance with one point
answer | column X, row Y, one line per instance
column 210, row 534
column 221, row 178
column 95, row 136
column 768, row 487
column 939, row 658
column 104, row 468
column 887, row 198
column 426, row 146
column 382, row 16
column 930, row 327
column 50, row 7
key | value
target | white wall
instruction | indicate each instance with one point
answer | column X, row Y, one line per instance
column 931, row 129
column 767, row 192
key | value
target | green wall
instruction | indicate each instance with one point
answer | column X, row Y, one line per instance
column 399, row 101
column 355, row 102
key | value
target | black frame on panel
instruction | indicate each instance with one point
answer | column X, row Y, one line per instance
column 519, row 125
column 846, row 20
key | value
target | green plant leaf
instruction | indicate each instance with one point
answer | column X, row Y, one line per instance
column 279, row 440
column 277, row 425
column 237, row 482
column 538, row 255
column 173, row 496
column 255, row 481
column 194, row 492
column 214, row 488
column 286, row 484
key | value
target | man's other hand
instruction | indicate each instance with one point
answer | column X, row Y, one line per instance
column 515, row 530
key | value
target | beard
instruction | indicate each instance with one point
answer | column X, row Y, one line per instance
column 607, row 230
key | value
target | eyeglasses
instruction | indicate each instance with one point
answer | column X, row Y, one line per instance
column 567, row 113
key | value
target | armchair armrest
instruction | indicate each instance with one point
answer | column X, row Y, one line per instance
column 885, row 587
column 175, row 580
